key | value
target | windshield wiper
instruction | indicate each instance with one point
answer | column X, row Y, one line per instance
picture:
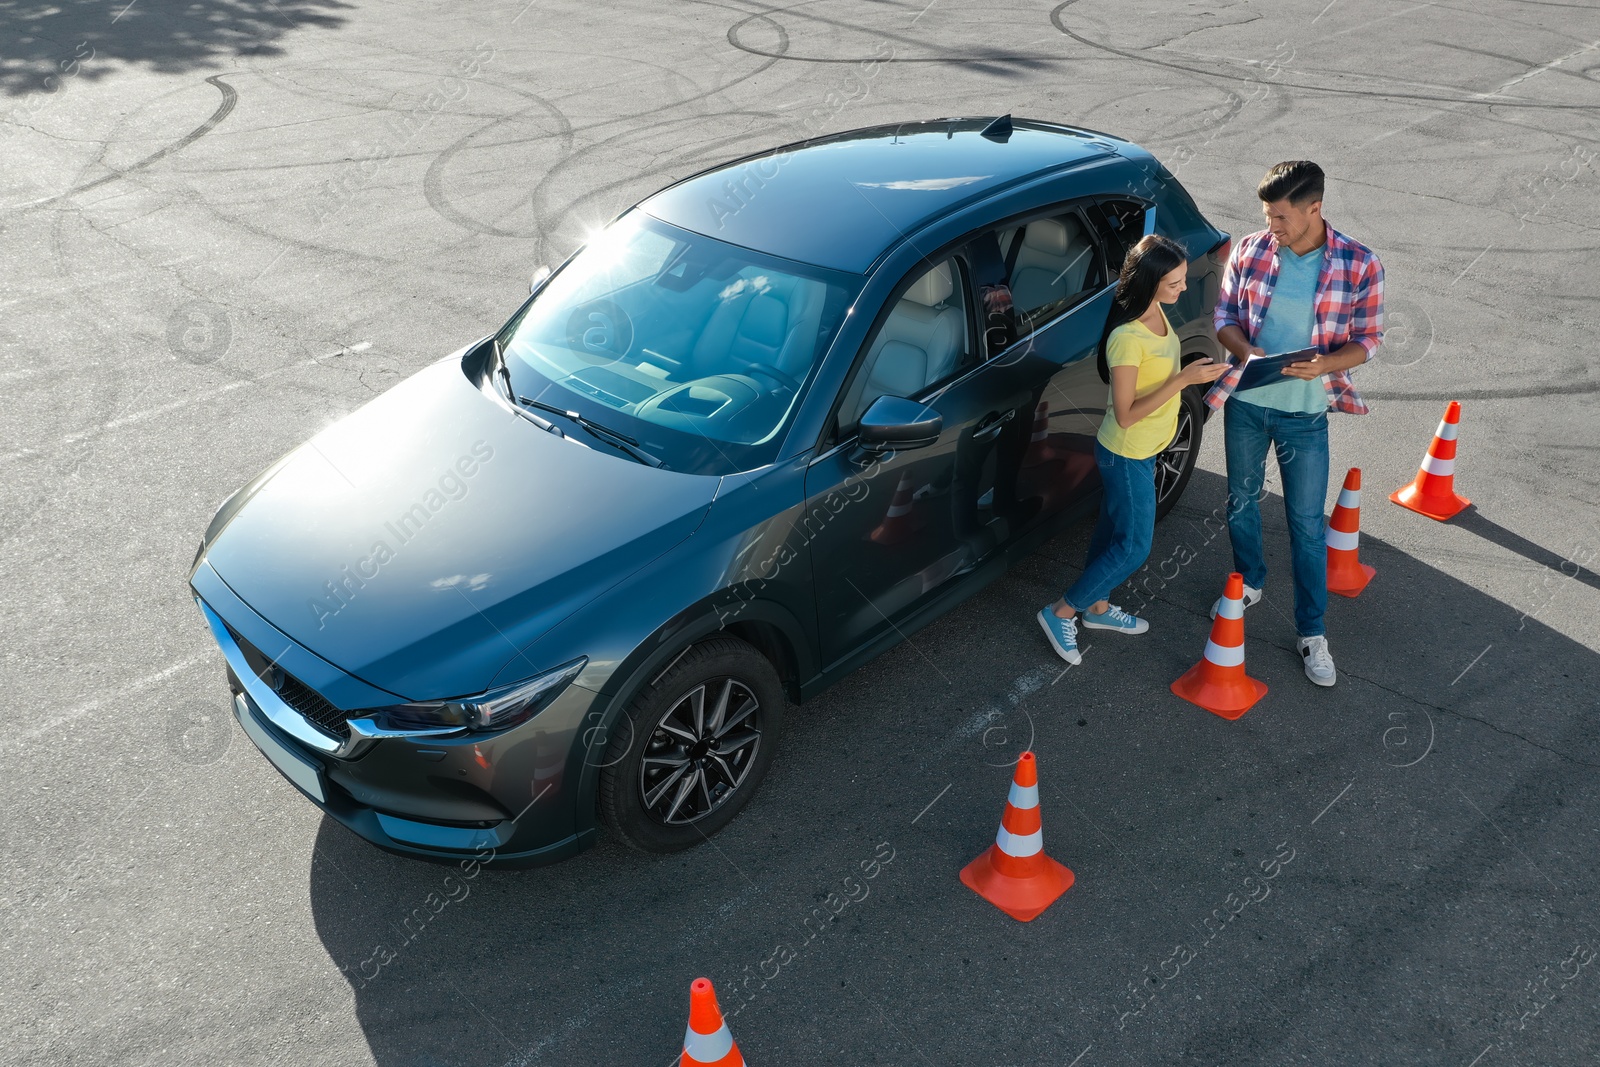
column 504, row 373
column 605, row 433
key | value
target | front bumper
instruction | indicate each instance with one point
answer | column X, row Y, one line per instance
column 502, row 842
column 507, row 798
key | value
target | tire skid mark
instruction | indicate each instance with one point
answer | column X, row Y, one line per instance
column 734, row 32
column 98, row 393
column 694, row 90
column 1498, row 16
column 537, row 193
column 1210, row 130
column 568, row 133
column 438, row 198
column 692, row 99
column 360, row 107
column 304, row 164
column 1057, row 19
column 433, row 181
column 230, row 97
column 303, row 243
column 689, row 154
column 1528, row 393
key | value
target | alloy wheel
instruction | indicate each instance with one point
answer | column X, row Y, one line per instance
column 1170, row 464
column 700, row 752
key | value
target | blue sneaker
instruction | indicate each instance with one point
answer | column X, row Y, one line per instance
column 1114, row 618
column 1063, row 634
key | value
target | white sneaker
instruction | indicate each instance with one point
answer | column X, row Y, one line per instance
column 1319, row 664
column 1252, row 597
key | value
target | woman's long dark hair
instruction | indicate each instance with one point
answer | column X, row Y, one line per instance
column 1152, row 259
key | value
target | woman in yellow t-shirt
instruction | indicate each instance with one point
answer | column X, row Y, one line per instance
column 1142, row 353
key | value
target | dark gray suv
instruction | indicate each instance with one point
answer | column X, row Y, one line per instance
column 769, row 422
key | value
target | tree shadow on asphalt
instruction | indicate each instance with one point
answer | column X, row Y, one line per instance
column 1458, row 751
column 51, row 45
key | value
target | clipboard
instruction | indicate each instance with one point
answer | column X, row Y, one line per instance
column 1264, row 370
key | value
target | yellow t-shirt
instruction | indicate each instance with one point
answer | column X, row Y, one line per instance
column 1133, row 345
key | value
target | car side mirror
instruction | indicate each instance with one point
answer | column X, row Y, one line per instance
column 893, row 422
column 540, row 276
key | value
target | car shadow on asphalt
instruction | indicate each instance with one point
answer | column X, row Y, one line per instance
column 1436, row 804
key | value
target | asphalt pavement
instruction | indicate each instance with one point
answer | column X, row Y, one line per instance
column 226, row 224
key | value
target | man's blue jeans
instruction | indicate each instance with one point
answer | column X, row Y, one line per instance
column 1121, row 540
column 1301, row 443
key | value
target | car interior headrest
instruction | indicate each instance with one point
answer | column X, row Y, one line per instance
column 1050, row 236
column 933, row 288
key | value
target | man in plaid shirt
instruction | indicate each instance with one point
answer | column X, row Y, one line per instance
column 1297, row 284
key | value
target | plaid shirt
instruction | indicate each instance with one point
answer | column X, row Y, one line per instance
column 1349, row 307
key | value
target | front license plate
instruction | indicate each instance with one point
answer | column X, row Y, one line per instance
column 295, row 767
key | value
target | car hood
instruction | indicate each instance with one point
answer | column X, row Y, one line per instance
column 421, row 542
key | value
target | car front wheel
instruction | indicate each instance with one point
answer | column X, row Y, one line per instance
column 692, row 747
column 1175, row 465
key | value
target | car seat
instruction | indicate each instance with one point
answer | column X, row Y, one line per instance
column 921, row 342
column 767, row 317
column 1052, row 264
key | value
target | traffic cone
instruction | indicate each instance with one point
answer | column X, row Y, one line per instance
column 1039, row 450
column 1014, row 874
column 707, row 1041
column 1218, row 682
column 1433, row 493
column 1347, row 575
column 896, row 525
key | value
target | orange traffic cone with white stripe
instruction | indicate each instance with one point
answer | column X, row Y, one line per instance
column 1039, row 450
column 707, row 1041
column 1014, row 874
column 1347, row 575
column 1433, row 493
column 1218, row 682
column 896, row 525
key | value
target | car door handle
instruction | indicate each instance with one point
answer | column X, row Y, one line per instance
column 991, row 426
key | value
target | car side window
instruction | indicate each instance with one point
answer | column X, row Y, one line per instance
column 923, row 341
column 1121, row 224
column 1053, row 264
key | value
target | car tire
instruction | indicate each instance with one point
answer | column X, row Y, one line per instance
column 1176, row 464
column 668, row 783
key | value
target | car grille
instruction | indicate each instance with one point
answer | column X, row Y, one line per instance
column 301, row 697
column 309, row 702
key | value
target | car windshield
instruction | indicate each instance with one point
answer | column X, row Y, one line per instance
column 696, row 349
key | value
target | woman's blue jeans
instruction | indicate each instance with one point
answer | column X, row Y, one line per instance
column 1121, row 540
column 1301, row 443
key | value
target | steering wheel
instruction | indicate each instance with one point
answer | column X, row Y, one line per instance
column 600, row 328
column 776, row 375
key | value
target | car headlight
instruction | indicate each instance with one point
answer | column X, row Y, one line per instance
column 497, row 709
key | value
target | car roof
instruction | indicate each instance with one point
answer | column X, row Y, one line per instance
column 843, row 200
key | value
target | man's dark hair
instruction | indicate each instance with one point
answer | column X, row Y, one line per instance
column 1298, row 181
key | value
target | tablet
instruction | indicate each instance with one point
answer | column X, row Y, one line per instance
column 1264, row 370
